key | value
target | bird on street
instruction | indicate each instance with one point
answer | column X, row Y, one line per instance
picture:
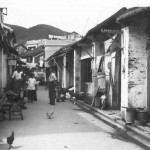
column 10, row 140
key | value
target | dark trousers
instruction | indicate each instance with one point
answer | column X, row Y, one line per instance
column 52, row 92
column 35, row 95
column 31, row 95
column 17, row 86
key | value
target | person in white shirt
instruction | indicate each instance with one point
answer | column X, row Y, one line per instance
column 17, row 77
column 35, row 73
column 35, row 76
column 31, row 88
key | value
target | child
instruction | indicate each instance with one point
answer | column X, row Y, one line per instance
column 31, row 88
column 103, row 101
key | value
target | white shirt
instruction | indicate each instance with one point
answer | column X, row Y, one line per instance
column 31, row 83
column 35, row 74
column 17, row 75
column 52, row 77
column 103, row 97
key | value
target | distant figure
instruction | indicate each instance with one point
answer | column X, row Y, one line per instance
column 35, row 73
column 31, row 88
column 103, row 101
column 35, row 76
column 52, row 92
column 17, row 78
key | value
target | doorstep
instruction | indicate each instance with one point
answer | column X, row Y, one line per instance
column 113, row 118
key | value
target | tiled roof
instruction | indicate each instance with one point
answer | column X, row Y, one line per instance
column 20, row 45
column 108, row 23
column 133, row 12
column 34, row 52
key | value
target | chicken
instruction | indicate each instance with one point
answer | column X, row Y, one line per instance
column 10, row 140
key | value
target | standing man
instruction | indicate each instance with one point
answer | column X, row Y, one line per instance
column 52, row 92
column 31, row 88
column 17, row 77
column 35, row 76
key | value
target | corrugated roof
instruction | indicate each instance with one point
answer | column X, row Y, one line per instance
column 34, row 52
column 108, row 23
column 132, row 12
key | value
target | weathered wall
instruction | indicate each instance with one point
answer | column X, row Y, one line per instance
column 137, row 63
column 70, row 66
column 1, row 70
column 124, row 70
column 4, row 70
column 77, row 71
column 50, row 50
column 59, row 61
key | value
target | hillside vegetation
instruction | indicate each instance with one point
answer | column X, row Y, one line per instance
column 40, row 31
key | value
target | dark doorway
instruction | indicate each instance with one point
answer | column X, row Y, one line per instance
column 86, row 72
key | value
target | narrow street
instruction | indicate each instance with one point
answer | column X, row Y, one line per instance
column 69, row 128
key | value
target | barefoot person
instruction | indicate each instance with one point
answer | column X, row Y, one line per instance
column 52, row 92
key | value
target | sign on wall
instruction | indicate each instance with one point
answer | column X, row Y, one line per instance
column 12, row 62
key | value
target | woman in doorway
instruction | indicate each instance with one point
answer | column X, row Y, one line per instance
column 52, row 92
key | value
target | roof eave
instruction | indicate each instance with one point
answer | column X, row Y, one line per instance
column 132, row 12
column 108, row 23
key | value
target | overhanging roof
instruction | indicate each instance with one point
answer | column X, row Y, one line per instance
column 13, row 51
column 34, row 52
column 109, row 23
column 133, row 12
column 20, row 45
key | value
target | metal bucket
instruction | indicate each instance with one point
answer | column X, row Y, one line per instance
column 130, row 115
column 142, row 115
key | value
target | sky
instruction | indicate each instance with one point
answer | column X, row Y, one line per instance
column 68, row 15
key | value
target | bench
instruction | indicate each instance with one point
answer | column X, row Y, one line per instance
column 5, row 108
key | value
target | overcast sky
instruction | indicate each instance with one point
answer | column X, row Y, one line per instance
column 68, row 15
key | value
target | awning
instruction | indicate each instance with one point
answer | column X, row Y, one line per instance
column 13, row 51
column 19, row 62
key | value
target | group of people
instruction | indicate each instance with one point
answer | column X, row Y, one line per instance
column 25, row 82
column 28, row 83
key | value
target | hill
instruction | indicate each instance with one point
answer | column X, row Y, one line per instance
column 40, row 31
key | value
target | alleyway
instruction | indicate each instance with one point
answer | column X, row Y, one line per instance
column 70, row 128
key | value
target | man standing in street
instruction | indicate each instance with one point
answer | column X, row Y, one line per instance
column 35, row 76
column 52, row 92
column 17, row 77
